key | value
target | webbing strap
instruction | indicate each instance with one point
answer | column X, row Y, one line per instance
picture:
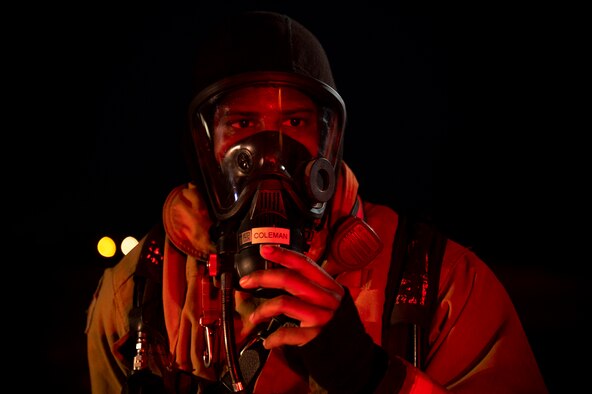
column 412, row 289
column 148, row 333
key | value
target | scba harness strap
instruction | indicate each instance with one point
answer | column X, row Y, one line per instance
column 412, row 289
column 148, row 346
column 411, row 295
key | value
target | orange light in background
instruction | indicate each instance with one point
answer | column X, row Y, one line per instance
column 128, row 244
column 106, row 247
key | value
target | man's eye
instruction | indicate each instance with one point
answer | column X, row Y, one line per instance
column 242, row 124
column 294, row 122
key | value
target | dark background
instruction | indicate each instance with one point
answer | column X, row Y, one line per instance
column 463, row 112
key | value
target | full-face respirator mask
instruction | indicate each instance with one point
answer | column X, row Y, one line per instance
column 268, row 146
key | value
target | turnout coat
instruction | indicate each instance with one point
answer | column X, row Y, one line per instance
column 475, row 342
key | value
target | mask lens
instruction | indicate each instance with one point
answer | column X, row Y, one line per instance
column 248, row 111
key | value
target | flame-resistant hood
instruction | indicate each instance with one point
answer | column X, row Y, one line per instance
column 261, row 41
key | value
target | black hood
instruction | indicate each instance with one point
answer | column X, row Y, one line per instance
column 260, row 41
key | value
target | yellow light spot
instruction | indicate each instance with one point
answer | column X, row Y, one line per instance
column 128, row 244
column 106, row 247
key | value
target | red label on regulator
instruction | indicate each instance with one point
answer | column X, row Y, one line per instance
column 263, row 235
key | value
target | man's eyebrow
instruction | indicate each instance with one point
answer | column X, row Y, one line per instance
column 231, row 112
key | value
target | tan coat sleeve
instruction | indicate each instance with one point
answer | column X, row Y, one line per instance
column 107, row 325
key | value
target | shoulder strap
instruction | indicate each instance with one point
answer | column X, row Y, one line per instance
column 148, row 342
column 148, row 339
column 412, row 288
